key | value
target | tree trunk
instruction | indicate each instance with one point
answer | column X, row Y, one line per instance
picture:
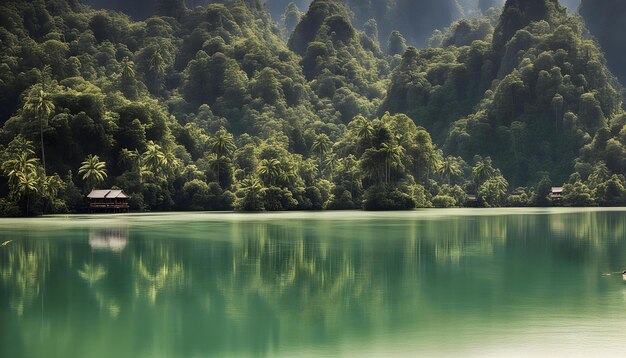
column 43, row 153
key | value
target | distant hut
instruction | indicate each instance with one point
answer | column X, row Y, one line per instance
column 556, row 194
column 108, row 201
column 471, row 201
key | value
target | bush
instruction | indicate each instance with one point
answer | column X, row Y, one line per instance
column 385, row 197
column 9, row 208
column 444, row 201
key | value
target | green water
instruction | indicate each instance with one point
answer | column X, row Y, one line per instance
column 429, row 283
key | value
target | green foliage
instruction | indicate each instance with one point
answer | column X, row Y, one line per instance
column 444, row 201
column 384, row 197
column 578, row 194
column 93, row 171
column 396, row 44
column 212, row 108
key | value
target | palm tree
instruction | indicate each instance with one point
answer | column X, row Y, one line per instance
column 156, row 66
column 171, row 162
column 27, row 185
column 483, row 170
column 252, row 187
column 128, row 69
column 323, row 145
column 214, row 165
column 135, row 160
column 154, row 158
column 15, row 167
column 222, row 144
column 20, row 145
column 269, row 170
column 330, row 164
column 393, row 157
column 364, row 129
column 50, row 186
column 39, row 104
column 93, row 170
column 448, row 168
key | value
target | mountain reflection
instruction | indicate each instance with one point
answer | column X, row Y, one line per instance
column 256, row 287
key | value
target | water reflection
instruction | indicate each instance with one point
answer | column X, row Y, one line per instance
column 111, row 239
column 266, row 287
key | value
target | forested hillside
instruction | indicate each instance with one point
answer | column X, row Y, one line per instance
column 605, row 19
column 214, row 108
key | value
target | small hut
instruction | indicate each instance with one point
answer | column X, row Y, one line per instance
column 108, row 201
column 556, row 193
column 471, row 201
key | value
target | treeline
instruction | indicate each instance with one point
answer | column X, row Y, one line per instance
column 212, row 109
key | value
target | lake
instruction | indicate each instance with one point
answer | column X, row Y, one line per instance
column 436, row 283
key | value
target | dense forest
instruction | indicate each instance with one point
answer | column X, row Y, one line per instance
column 219, row 107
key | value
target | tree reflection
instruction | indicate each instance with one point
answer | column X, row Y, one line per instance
column 250, row 286
column 23, row 270
column 92, row 273
column 157, row 272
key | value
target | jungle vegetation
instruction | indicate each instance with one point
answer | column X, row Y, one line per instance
column 218, row 107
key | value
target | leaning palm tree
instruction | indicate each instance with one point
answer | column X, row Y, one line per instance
column 93, row 170
column 40, row 105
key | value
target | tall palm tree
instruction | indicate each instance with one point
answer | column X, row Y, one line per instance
column 364, row 129
column 128, row 69
column 449, row 168
column 27, row 185
column 40, row 105
column 322, row 144
column 269, row 170
column 330, row 164
column 393, row 157
column 93, row 170
column 157, row 65
column 222, row 144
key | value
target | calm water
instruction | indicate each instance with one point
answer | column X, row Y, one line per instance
column 429, row 283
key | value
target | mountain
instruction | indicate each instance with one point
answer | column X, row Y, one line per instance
column 604, row 19
column 537, row 93
column 211, row 108
column 414, row 19
column 142, row 9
